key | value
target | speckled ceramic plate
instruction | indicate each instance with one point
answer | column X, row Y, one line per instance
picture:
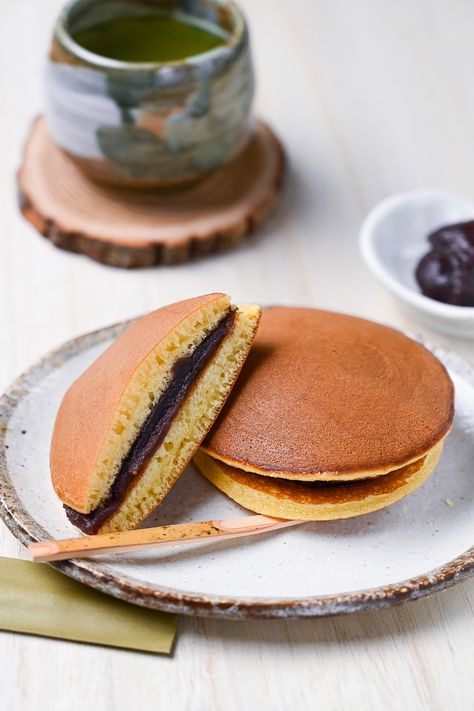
column 415, row 547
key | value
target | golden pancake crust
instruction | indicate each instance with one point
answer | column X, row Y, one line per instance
column 316, row 501
column 329, row 396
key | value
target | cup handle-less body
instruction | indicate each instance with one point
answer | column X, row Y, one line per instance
column 157, row 125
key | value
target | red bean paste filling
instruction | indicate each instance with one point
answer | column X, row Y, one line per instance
column 155, row 428
column 446, row 272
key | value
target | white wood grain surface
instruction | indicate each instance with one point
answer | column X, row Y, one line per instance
column 370, row 97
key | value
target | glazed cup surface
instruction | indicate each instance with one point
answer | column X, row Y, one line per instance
column 156, row 125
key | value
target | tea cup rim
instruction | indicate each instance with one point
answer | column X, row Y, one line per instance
column 234, row 40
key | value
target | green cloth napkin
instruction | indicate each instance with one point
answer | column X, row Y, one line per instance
column 37, row 599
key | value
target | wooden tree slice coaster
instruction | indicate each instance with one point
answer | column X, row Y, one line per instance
column 133, row 229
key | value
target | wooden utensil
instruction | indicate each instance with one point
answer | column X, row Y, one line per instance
column 90, row 546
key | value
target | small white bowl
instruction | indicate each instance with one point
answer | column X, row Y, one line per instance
column 393, row 238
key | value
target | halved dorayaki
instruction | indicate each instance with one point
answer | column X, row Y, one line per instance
column 127, row 427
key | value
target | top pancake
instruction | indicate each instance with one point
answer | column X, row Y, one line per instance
column 328, row 396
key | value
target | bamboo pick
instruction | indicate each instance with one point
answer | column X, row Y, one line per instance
column 90, row 546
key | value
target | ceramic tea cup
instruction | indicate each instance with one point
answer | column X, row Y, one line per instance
column 150, row 124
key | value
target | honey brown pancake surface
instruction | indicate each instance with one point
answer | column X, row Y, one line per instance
column 329, row 396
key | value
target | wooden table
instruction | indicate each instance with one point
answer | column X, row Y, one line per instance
column 370, row 97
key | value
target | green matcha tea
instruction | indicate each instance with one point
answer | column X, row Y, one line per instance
column 155, row 38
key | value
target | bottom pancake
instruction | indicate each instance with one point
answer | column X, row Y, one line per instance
column 315, row 501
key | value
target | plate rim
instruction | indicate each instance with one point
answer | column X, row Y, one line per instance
column 101, row 577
